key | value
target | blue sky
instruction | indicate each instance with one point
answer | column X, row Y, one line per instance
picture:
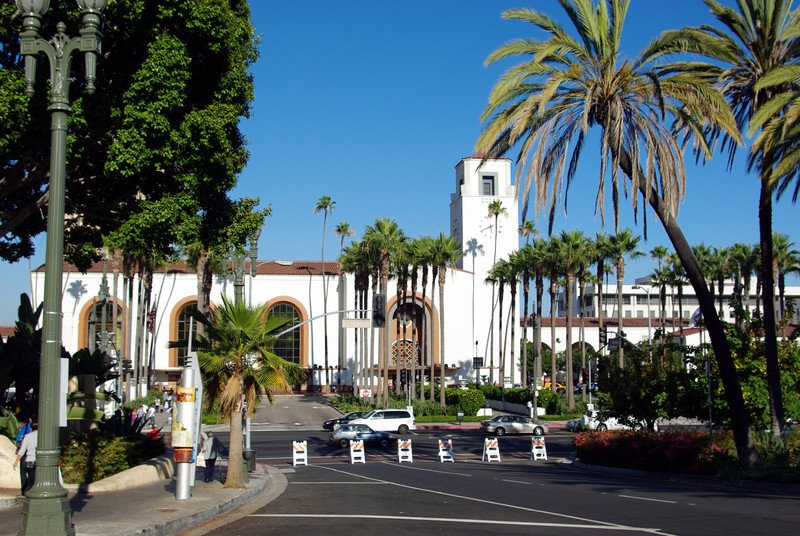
column 373, row 103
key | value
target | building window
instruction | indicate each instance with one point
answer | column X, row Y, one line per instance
column 186, row 325
column 487, row 185
column 95, row 327
column 639, row 314
column 287, row 346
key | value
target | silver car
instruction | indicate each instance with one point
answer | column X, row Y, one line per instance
column 512, row 424
column 342, row 435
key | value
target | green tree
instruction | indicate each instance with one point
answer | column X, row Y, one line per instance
column 495, row 210
column 325, row 205
column 570, row 82
column 620, row 245
column 385, row 236
column 238, row 366
column 571, row 248
column 157, row 144
column 445, row 253
column 758, row 37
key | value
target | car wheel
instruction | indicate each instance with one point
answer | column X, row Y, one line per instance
column 602, row 428
column 538, row 431
column 384, row 442
column 344, row 443
column 403, row 429
column 500, row 431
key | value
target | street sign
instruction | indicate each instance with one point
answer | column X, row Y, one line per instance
column 355, row 322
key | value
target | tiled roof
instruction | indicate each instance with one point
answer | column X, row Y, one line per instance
column 262, row 267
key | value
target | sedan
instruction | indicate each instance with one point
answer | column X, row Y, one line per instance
column 346, row 432
column 512, row 424
column 333, row 424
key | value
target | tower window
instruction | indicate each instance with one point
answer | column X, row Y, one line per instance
column 487, row 185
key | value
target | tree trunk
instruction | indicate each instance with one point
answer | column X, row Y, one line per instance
column 235, row 478
column 569, row 384
column 770, row 327
column 740, row 419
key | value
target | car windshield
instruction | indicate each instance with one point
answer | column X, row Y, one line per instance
column 368, row 415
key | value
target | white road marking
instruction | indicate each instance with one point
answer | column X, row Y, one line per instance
column 596, row 523
column 646, row 499
column 469, row 521
column 516, row 481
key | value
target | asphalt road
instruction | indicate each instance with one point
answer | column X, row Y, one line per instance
column 523, row 497
column 470, row 496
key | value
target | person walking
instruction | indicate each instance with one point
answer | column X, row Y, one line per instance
column 212, row 449
column 27, row 454
column 24, row 430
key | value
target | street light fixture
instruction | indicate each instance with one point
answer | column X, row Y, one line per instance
column 649, row 322
column 46, row 510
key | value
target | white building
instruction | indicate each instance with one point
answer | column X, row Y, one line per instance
column 295, row 287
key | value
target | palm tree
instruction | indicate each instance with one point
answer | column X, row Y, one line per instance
column 745, row 258
column 496, row 208
column 601, row 255
column 620, row 245
column 325, row 205
column 660, row 278
column 571, row 250
column 355, row 260
column 553, row 266
column 342, row 230
column 528, row 229
column 659, row 253
column 538, row 259
column 757, row 39
column 446, row 252
column 583, row 275
column 785, row 260
column 523, row 265
column 425, row 248
column 546, row 105
column 238, row 366
column 385, row 236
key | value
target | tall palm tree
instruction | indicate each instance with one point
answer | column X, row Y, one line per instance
column 446, row 252
column 601, row 255
column 553, row 266
column 355, row 260
column 496, row 209
column 238, row 367
column 325, row 205
column 538, row 259
column 622, row 244
column 425, row 248
column 342, row 230
column 385, row 236
column 785, row 260
column 758, row 38
column 660, row 278
column 523, row 265
column 583, row 275
column 571, row 250
column 546, row 105
column 745, row 258
column 528, row 229
column 659, row 253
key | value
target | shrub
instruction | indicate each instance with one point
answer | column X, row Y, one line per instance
column 91, row 456
column 467, row 400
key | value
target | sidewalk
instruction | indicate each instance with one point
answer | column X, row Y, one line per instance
column 152, row 508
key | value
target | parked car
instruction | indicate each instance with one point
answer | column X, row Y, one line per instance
column 596, row 420
column 333, row 424
column 342, row 435
column 512, row 424
column 389, row 420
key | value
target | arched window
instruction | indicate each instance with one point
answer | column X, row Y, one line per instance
column 287, row 346
column 96, row 330
column 186, row 324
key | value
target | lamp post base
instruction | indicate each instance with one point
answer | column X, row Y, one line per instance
column 46, row 516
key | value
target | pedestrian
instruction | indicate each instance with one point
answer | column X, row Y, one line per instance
column 24, row 430
column 27, row 454
column 157, row 404
column 151, row 416
column 212, row 449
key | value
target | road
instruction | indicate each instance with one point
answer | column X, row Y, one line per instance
column 515, row 496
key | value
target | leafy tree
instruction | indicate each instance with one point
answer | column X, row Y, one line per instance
column 570, row 82
column 238, row 366
column 153, row 153
column 758, row 38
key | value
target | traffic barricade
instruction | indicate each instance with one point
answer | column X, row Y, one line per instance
column 404, row 451
column 446, row 450
column 491, row 450
column 299, row 453
column 357, row 451
column 538, row 448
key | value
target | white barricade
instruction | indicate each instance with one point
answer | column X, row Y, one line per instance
column 357, row 451
column 299, row 453
column 538, row 449
column 404, row 451
column 491, row 450
column 446, row 450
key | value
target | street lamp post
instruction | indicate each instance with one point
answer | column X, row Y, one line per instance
column 253, row 261
column 649, row 322
column 46, row 510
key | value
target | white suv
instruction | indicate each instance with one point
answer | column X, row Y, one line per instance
column 389, row 420
column 593, row 420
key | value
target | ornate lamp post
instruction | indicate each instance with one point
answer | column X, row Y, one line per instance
column 253, row 261
column 103, row 296
column 46, row 510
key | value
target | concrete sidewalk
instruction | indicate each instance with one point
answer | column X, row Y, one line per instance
column 151, row 508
